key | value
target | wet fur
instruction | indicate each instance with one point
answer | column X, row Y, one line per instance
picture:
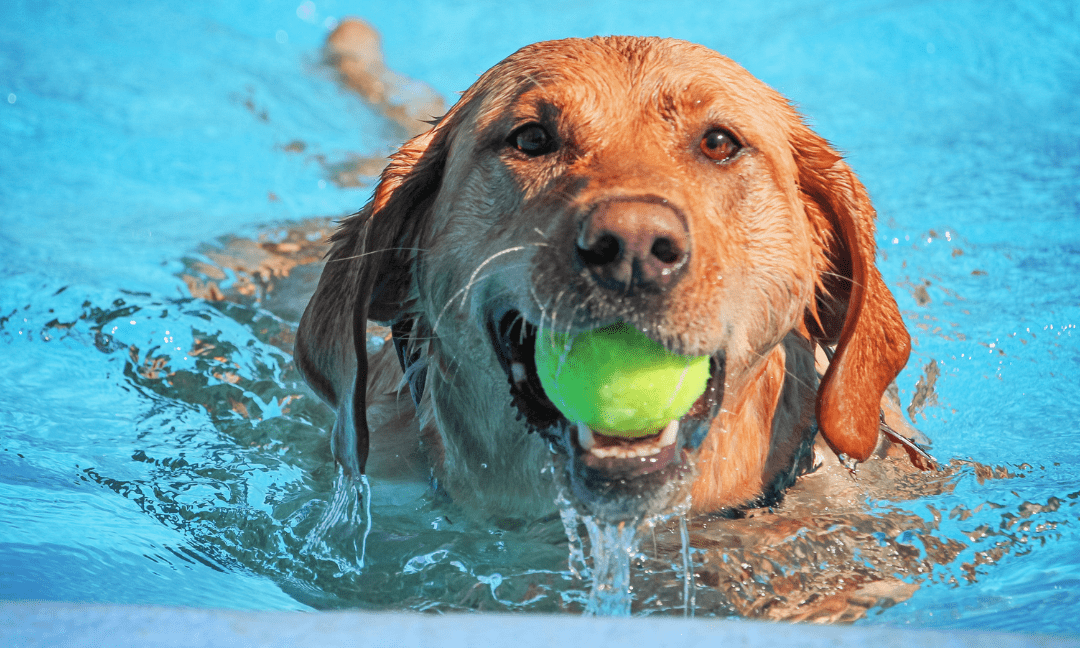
column 782, row 265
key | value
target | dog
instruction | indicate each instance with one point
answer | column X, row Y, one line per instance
column 580, row 183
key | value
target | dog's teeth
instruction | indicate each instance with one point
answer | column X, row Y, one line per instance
column 518, row 371
column 620, row 452
column 584, row 437
column 640, row 450
column 670, row 434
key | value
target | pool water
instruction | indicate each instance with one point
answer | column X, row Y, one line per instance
column 160, row 448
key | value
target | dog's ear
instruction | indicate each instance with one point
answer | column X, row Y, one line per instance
column 853, row 309
column 368, row 275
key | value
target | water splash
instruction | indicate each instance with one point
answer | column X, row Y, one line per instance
column 689, row 591
column 612, row 546
column 570, row 520
column 345, row 520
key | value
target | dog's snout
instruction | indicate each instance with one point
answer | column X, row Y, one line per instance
column 631, row 245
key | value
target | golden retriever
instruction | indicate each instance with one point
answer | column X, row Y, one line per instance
column 576, row 184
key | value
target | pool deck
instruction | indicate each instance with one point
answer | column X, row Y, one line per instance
column 29, row 624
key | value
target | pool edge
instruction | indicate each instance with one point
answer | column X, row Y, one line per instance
column 47, row 623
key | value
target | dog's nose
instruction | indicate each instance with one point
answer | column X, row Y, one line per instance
column 632, row 245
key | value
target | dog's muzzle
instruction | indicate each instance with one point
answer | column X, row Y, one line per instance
column 613, row 478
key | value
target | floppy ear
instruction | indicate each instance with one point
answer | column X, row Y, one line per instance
column 368, row 274
column 854, row 309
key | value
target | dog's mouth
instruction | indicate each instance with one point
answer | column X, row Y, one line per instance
column 615, row 477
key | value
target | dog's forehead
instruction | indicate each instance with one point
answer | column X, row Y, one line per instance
column 619, row 76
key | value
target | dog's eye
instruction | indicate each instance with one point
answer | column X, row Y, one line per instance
column 532, row 140
column 719, row 145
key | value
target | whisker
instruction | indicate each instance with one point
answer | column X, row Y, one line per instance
column 463, row 291
column 536, row 300
column 369, row 253
column 521, row 330
column 788, row 373
column 840, row 276
column 474, row 279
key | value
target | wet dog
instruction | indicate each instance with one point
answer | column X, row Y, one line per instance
column 580, row 183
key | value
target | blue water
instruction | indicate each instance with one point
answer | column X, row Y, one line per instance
column 133, row 134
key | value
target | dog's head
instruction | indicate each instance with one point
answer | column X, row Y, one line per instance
column 584, row 182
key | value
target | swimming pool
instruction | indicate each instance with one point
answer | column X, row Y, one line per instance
column 152, row 449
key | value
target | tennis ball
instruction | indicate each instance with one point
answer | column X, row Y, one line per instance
column 618, row 381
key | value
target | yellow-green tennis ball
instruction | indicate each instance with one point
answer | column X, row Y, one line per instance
column 618, row 381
